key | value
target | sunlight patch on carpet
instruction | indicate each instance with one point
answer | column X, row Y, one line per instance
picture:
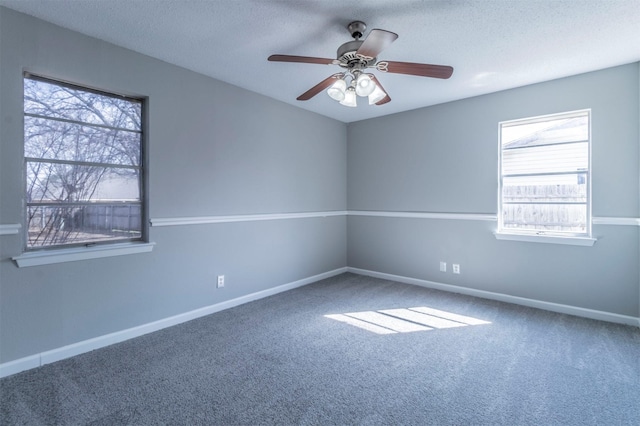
column 405, row 320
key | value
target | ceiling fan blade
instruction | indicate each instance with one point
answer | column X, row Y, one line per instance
column 422, row 70
column 318, row 88
column 377, row 82
column 304, row 59
column 376, row 42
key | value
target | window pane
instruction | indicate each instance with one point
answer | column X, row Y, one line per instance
column 83, row 165
column 544, row 176
column 61, row 140
column 545, row 217
column 55, row 182
column 82, row 224
column 546, row 159
column 53, row 100
column 545, row 189
column 553, row 131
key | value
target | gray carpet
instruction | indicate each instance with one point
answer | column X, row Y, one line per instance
column 281, row 361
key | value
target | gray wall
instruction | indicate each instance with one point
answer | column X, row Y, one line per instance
column 445, row 159
column 213, row 149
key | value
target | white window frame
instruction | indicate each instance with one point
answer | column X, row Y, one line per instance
column 531, row 235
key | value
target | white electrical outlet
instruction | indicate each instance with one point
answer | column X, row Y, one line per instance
column 456, row 268
column 220, row 281
column 443, row 266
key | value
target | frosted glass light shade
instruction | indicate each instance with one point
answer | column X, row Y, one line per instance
column 377, row 95
column 349, row 98
column 364, row 85
column 337, row 90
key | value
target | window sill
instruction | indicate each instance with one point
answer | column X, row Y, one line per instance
column 549, row 239
column 80, row 253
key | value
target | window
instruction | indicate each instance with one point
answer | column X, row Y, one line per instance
column 545, row 176
column 83, row 165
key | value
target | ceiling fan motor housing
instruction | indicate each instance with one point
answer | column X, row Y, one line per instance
column 348, row 57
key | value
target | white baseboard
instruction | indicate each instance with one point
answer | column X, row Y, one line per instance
column 532, row 303
column 21, row 364
column 37, row 360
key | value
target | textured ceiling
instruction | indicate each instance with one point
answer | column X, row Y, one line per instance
column 492, row 44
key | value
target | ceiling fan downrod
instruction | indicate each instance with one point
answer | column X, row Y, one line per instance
column 356, row 29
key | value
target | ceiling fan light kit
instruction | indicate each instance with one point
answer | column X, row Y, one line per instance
column 337, row 90
column 377, row 95
column 356, row 56
column 349, row 98
column 364, row 85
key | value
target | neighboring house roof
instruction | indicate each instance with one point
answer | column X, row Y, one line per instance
column 558, row 131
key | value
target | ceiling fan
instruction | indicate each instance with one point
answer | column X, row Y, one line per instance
column 357, row 56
